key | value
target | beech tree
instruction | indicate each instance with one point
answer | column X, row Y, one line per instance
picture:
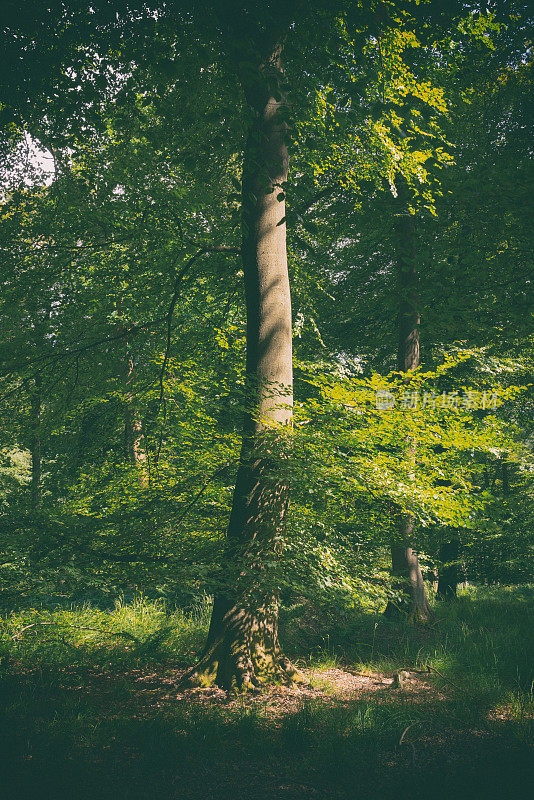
column 171, row 129
column 242, row 648
column 404, row 559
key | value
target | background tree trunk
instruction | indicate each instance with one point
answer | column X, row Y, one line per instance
column 404, row 559
column 35, row 444
column 448, row 574
column 133, row 429
column 242, row 647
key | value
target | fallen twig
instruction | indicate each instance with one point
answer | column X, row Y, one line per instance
column 441, row 675
column 405, row 731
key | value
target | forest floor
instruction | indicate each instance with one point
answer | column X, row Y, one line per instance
column 91, row 708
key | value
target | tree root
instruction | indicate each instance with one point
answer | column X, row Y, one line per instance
column 408, row 611
column 241, row 673
column 242, row 652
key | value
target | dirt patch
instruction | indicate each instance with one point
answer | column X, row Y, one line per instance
column 334, row 686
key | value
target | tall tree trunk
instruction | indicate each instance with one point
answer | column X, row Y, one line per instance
column 404, row 559
column 133, row 429
column 37, row 338
column 242, row 649
column 35, row 444
column 448, row 574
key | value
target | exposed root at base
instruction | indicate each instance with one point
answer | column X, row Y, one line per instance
column 241, row 676
column 408, row 612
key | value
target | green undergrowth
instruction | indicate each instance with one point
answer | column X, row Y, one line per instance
column 479, row 648
column 136, row 633
column 87, row 707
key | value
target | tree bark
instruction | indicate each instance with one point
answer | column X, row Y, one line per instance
column 404, row 559
column 448, row 574
column 242, row 649
column 35, row 444
column 133, row 429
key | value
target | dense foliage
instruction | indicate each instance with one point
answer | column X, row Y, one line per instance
column 122, row 316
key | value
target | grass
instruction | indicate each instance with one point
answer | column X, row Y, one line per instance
column 482, row 645
column 89, row 711
column 132, row 633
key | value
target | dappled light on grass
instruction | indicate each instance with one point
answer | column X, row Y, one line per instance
column 130, row 633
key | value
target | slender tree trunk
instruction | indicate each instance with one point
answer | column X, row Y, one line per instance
column 505, row 476
column 35, row 445
column 38, row 329
column 242, row 649
column 448, row 574
column 404, row 559
column 133, row 429
column 408, row 351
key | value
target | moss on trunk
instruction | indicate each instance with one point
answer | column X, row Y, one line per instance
column 242, row 652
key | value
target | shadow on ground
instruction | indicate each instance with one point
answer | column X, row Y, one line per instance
column 91, row 710
column 102, row 734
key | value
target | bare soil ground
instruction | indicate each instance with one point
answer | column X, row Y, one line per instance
column 332, row 686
